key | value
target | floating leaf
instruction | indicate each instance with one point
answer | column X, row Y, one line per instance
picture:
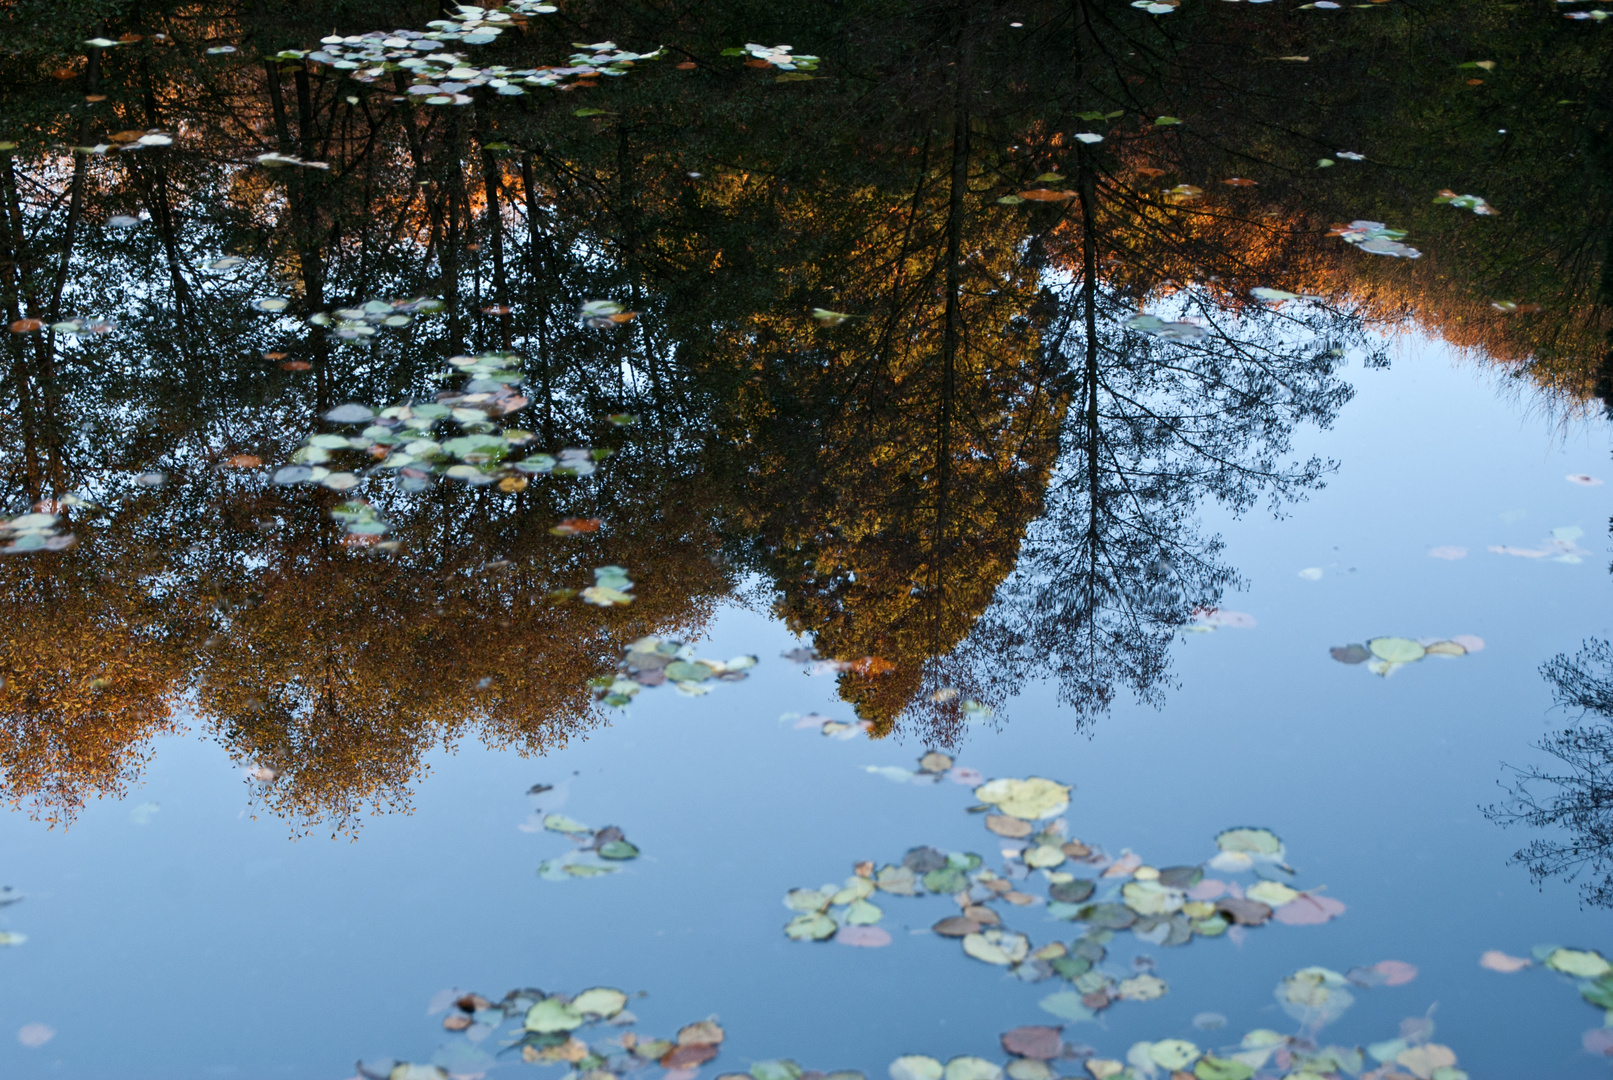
column 1030, row 799
column 916, row 1067
column 1495, row 960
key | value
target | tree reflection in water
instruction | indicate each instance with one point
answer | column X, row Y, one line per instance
column 1573, row 798
column 984, row 477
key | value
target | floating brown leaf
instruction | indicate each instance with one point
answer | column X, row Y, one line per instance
column 1011, row 827
column 956, row 926
column 1034, row 1041
column 1244, row 912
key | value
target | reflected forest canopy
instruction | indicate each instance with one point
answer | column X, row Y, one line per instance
column 935, row 330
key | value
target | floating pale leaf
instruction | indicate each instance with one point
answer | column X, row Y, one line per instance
column 1496, row 960
column 916, row 1067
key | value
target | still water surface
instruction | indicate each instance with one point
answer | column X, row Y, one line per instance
column 1031, row 391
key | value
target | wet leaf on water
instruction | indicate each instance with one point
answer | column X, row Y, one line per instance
column 618, row 849
column 1011, row 827
column 916, row 1067
column 1141, row 988
column 868, row 937
column 1250, row 841
column 350, row 414
column 606, row 1002
column 1215, row 1068
column 999, row 947
column 811, row 927
column 1581, row 963
column 573, row 526
column 1375, row 237
column 1496, row 960
column 1308, row 909
column 1474, row 203
column 553, row 1015
column 1043, row 1043
column 1029, row 799
column 956, row 926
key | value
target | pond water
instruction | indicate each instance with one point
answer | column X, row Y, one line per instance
column 936, row 541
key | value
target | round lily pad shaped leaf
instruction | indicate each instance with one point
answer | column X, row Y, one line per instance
column 350, row 414
column 1173, row 1054
column 617, row 849
column 813, row 927
column 1250, row 841
column 972, row 1068
column 1214, row 1068
column 1028, row 799
column 778, row 1069
column 1273, row 893
column 1583, row 964
column 1141, row 988
column 1396, row 650
column 551, row 1015
column 600, row 1001
column 916, row 1067
column 407, row 1071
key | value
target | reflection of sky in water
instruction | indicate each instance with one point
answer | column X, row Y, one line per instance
column 197, row 941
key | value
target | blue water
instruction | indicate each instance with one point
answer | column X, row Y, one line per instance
column 210, row 942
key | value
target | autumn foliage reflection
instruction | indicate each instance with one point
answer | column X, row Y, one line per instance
column 969, row 464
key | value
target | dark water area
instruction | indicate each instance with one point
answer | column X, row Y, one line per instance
column 806, row 542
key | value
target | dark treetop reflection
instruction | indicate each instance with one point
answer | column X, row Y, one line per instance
column 988, row 473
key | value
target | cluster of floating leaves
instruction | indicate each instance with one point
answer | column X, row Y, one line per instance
column 598, row 851
column 561, row 1029
column 79, row 327
column 1160, row 906
column 1560, row 546
column 128, row 140
column 366, row 320
column 399, row 439
column 1592, row 974
column 933, row 767
column 1474, row 203
column 658, row 661
column 818, row 665
column 1375, row 237
column 826, row 726
column 1314, row 996
column 38, row 530
column 363, row 526
column 1154, row 326
column 443, row 77
column 605, row 314
column 781, row 57
column 1384, row 655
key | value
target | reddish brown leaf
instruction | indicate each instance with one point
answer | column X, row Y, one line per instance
column 1034, row 1041
column 689, row 1056
column 956, row 926
column 1243, row 911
